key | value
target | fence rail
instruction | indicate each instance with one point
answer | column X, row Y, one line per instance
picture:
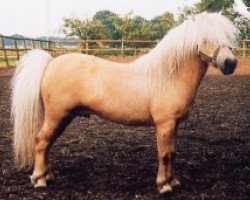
column 12, row 48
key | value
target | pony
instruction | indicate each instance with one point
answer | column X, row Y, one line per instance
column 157, row 89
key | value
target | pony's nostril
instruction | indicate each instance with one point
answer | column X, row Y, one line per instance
column 230, row 63
column 229, row 67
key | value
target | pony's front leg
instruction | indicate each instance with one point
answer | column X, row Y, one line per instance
column 166, row 146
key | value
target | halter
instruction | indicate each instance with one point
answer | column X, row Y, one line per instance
column 210, row 59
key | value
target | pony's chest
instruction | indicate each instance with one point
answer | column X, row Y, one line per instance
column 180, row 106
column 173, row 105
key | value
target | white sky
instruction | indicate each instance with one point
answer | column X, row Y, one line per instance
column 29, row 17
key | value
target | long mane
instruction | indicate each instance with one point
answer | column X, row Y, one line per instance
column 182, row 41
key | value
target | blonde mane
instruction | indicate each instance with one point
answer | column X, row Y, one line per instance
column 182, row 41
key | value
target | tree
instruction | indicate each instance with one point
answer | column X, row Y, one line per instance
column 107, row 18
column 84, row 29
column 161, row 25
column 124, row 25
column 213, row 5
column 141, row 28
column 108, row 25
column 247, row 3
column 223, row 6
column 186, row 11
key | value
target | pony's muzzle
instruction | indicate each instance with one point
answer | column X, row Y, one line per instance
column 229, row 66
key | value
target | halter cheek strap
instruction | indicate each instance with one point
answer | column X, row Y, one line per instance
column 208, row 58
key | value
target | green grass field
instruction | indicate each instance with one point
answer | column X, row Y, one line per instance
column 12, row 61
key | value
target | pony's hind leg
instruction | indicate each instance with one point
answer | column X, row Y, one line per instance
column 51, row 129
column 43, row 143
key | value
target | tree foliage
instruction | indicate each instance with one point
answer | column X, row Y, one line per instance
column 161, row 24
column 108, row 25
column 247, row 3
column 106, row 18
column 226, row 8
column 84, row 29
column 213, row 5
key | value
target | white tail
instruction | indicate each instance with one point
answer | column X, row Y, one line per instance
column 26, row 104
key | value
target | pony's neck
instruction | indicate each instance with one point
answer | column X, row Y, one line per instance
column 166, row 65
column 157, row 64
column 188, row 78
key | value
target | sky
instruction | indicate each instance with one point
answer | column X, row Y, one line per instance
column 30, row 17
column 34, row 18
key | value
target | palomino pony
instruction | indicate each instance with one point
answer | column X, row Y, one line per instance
column 156, row 89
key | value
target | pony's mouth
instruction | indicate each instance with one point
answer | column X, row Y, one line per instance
column 228, row 72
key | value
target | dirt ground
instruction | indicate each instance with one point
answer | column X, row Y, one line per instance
column 96, row 159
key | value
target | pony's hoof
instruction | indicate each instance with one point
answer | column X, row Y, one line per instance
column 165, row 188
column 38, row 183
column 33, row 180
column 41, row 183
column 175, row 183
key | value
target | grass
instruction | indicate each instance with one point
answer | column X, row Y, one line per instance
column 12, row 62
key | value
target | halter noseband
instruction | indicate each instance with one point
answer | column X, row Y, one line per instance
column 210, row 59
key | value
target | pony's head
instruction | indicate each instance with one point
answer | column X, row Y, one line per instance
column 216, row 44
column 209, row 37
column 221, row 57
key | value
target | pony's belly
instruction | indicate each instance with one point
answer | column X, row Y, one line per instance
column 126, row 118
column 131, row 121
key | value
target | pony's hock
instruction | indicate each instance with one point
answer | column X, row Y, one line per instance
column 165, row 82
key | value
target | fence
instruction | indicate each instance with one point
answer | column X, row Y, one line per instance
column 12, row 48
column 245, row 48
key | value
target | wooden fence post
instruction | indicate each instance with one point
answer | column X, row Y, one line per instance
column 87, row 47
column 16, row 48
column 122, row 41
column 24, row 45
column 4, row 51
column 32, row 44
column 244, row 48
column 48, row 45
column 40, row 44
